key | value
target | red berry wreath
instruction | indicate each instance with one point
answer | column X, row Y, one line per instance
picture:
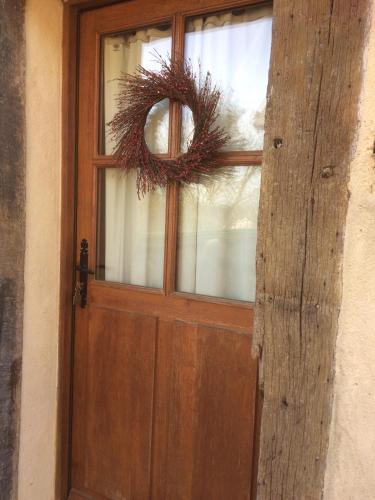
column 138, row 94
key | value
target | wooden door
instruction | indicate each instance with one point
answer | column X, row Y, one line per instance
column 164, row 385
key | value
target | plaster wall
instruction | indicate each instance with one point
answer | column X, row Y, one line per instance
column 351, row 458
column 350, row 473
column 40, row 337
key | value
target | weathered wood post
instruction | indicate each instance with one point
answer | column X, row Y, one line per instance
column 311, row 119
column 12, row 234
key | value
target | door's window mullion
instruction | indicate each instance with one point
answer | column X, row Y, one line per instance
column 178, row 36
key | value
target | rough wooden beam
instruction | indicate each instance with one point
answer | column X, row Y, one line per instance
column 313, row 95
column 12, row 234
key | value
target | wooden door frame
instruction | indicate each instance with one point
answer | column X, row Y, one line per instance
column 72, row 10
column 71, row 13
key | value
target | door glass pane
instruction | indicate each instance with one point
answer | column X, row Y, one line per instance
column 130, row 231
column 217, row 234
column 235, row 48
column 122, row 53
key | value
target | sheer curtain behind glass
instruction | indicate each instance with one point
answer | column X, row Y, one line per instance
column 122, row 54
column 133, row 230
column 217, row 222
column 217, row 234
column 235, row 48
column 218, row 219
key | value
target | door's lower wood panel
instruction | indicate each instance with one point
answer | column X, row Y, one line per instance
column 204, row 415
column 116, row 386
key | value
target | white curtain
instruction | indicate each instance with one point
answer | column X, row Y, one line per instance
column 133, row 229
column 217, row 234
column 217, row 221
column 122, row 54
column 235, row 49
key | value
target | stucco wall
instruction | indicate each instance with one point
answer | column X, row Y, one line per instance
column 40, row 340
column 351, row 460
column 350, row 473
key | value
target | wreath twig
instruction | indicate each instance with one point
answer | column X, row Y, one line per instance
column 138, row 94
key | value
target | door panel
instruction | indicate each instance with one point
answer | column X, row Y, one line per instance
column 204, row 413
column 233, row 314
column 118, row 390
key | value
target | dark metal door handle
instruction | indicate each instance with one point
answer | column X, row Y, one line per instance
column 83, row 269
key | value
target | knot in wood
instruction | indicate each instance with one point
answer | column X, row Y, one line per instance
column 327, row 172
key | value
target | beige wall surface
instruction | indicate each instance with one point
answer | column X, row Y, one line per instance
column 40, row 341
column 350, row 473
column 351, row 461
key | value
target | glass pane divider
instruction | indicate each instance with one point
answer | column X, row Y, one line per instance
column 111, row 161
column 178, row 36
column 170, row 252
column 214, row 300
column 234, row 158
column 225, row 158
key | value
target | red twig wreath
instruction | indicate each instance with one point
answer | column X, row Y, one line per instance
column 138, row 94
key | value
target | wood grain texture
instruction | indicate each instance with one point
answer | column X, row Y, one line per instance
column 225, row 158
column 137, row 13
column 116, row 453
column 204, row 415
column 90, row 4
column 311, row 121
column 12, row 235
column 113, row 405
column 67, row 259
